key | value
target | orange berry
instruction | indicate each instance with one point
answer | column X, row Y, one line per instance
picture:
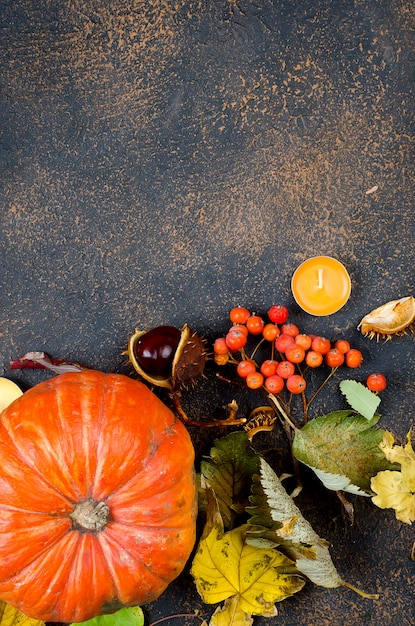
column 304, row 341
column 274, row 384
column 244, row 368
column 353, row 358
column 269, row 367
column 334, row 358
column 235, row 340
column 270, row 332
column 290, row 329
column 254, row 380
column 220, row 346
column 313, row 358
column 295, row 353
column 255, row 324
column 239, row 315
column 282, row 342
column 343, row 345
column 239, row 327
column 321, row 344
column 285, row 369
column 296, row 384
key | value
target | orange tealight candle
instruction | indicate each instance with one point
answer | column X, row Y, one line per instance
column 321, row 285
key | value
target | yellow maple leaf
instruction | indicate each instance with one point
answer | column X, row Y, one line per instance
column 396, row 489
column 9, row 616
column 230, row 614
column 225, row 567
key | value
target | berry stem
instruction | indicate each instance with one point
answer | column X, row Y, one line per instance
column 315, row 394
column 277, row 403
column 256, row 348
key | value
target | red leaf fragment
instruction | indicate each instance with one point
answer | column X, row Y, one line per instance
column 41, row 360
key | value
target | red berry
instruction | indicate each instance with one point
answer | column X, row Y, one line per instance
column 334, row 358
column 278, row 314
column 353, row 358
column 285, row 369
column 296, row 384
column 255, row 380
column 239, row 315
column 290, row 329
column 220, row 346
column 244, row 368
column 269, row 367
column 376, row 382
column 235, row 340
column 282, row 342
column 271, row 332
column 295, row 353
column 274, row 384
column 321, row 344
column 313, row 358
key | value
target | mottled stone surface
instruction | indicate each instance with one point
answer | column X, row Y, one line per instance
column 162, row 161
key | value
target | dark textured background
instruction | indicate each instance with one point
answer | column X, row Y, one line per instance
column 163, row 161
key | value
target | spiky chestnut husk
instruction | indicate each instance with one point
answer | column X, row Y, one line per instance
column 187, row 364
column 392, row 318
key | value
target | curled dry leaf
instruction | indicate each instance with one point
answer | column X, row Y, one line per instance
column 393, row 318
column 396, row 489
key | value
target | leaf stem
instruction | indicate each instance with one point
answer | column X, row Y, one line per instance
column 369, row 596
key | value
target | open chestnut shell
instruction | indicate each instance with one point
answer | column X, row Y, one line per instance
column 167, row 356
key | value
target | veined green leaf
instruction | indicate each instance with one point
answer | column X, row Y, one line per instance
column 131, row 616
column 360, row 398
column 343, row 450
column 228, row 471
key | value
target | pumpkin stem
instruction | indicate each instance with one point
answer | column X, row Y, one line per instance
column 90, row 515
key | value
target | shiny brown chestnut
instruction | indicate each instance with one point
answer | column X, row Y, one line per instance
column 167, row 357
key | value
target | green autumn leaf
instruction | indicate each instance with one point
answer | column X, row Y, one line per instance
column 225, row 566
column 396, row 489
column 9, row 616
column 131, row 616
column 360, row 398
column 229, row 470
column 283, row 523
column 342, row 448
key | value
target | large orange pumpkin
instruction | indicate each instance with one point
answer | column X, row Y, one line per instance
column 97, row 497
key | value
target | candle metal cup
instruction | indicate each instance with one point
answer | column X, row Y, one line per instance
column 321, row 285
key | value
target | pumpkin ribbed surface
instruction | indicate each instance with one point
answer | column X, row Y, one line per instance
column 97, row 497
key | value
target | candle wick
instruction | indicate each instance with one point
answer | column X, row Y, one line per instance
column 320, row 278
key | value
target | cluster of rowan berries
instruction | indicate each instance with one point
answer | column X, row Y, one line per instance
column 291, row 351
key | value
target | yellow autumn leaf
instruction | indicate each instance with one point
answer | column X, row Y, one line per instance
column 396, row 489
column 225, row 566
column 230, row 614
column 9, row 616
